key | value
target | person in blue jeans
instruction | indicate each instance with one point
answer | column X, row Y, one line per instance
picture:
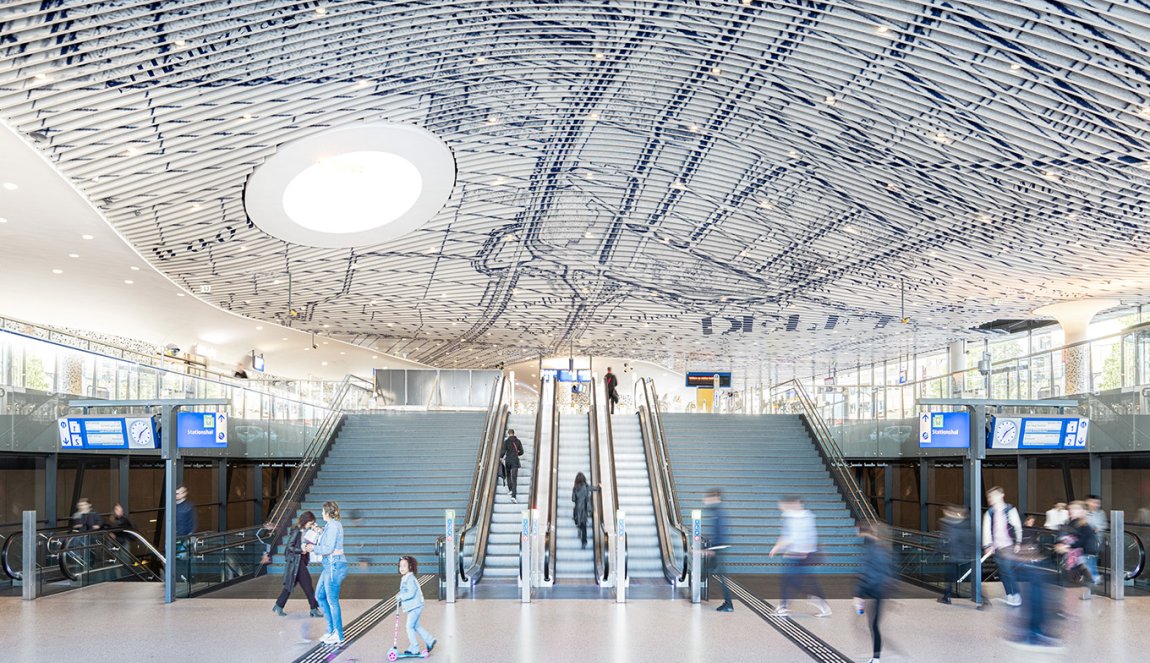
column 410, row 600
column 330, row 546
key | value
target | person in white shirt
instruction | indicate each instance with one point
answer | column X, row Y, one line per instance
column 799, row 547
column 1057, row 516
column 1002, row 535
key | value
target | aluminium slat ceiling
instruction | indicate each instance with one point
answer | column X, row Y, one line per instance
column 696, row 182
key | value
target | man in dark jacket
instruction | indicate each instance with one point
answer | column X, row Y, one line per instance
column 717, row 543
column 957, row 546
column 512, row 450
column 612, row 384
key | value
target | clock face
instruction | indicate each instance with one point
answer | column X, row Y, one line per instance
column 1006, row 435
column 140, row 435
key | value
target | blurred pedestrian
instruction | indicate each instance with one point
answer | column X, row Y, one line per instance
column 295, row 565
column 799, row 547
column 1057, row 516
column 957, row 547
column 1036, row 575
column 1002, row 535
column 717, row 540
column 1078, row 544
column 85, row 519
column 120, row 522
column 874, row 581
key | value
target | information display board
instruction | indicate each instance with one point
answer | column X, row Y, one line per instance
column 944, row 430
column 108, row 433
column 201, row 430
column 1038, row 433
column 701, row 379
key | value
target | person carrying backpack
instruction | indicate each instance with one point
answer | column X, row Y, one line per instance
column 512, row 450
column 1002, row 535
column 957, row 546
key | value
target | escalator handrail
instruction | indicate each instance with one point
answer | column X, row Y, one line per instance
column 106, row 540
column 481, row 503
column 665, row 485
column 19, row 534
column 600, row 537
column 614, row 488
column 486, row 506
column 663, row 525
column 550, row 538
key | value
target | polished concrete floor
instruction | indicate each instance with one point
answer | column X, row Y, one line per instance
column 129, row 622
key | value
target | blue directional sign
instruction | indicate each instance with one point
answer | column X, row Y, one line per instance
column 944, row 430
column 201, row 430
column 1039, row 433
column 107, row 433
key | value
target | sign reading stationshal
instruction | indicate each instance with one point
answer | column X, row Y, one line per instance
column 944, row 430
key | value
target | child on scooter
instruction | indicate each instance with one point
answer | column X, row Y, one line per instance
column 410, row 600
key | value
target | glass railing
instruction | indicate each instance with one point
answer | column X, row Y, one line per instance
column 208, row 561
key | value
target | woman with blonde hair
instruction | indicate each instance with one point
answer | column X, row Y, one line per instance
column 330, row 546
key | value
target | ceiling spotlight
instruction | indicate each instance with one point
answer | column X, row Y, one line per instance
column 129, row 281
column 181, row 43
column 87, row 237
column 480, row 60
column 1015, row 67
column 830, row 100
column 259, row 328
column 133, row 268
column 851, row 229
column 715, row 71
column 57, row 271
column 678, row 184
column 694, row 128
column 10, row 186
column 179, row 294
column 598, row 56
column 41, row 77
column 492, row 120
column 592, row 116
column 322, row 12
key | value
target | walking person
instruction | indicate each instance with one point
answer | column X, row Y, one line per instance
column 330, row 545
column 716, row 517
column 581, row 496
column 957, row 547
column 874, row 582
column 295, row 566
column 1078, row 543
column 1002, row 535
column 410, row 600
column 799, row 546
column 611, row 382
column 85, row 519
column 1101, row 524
column 512, row 450
column 120, row 522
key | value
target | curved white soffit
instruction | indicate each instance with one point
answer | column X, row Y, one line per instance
column 408, row 148
column 48, row 218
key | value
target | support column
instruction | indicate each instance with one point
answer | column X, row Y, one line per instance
column 51, row 474
column 1022, row 499
column 888, row 491
column 1075, row 317
column 956, row 352
column 122, row 494
column 221, row 493
column 923, row 492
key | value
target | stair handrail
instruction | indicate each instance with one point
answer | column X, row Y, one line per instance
column 483, row 483
column 600, row 535
column 832, row 454
column 550, row 539
column 667, row 523
column 665, row 461
column 314, row 453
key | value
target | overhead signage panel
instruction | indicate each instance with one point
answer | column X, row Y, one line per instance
column 107, row 433
column 704, row 379
column 1039, row 433
column 944, row 430
column 201, row 430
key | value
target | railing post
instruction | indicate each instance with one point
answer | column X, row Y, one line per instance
column 29, row 578
column 451, row 559
column 696, row 555
column 620, row 555
column 1118, row 555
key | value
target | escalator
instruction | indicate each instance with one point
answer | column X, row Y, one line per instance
column 69, row 560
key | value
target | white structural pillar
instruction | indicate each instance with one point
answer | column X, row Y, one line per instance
column 1074, row 317
column 696, row 556
column 620, row 561
column 957, row 353
column 525, row 566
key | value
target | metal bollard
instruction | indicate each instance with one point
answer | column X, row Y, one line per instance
column 451, row 559
column 696, row 556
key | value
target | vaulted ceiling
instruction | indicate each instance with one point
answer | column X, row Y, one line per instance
column 734, row 182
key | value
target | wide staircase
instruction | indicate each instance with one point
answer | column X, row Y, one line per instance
column 756, row 460
column 644, row 557
column 572, row 561
column 393, row 476
column 502, row 556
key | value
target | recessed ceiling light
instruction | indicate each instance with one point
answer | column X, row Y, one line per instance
column 246, row 116
column 678, row 185
column 715, row 71
column 3, row 220
column 259, row 328
column 492, row 119
column 242, row 247
column 362, row 84
column 284, row 338
column 42, row 77
column 181, row 42
column 87, row 237
column 179, row 294
column 325, row 363
column 1050, row 175
column 746, row 3
column 131, row 152
column 375, row 356
column 852, row 230
column 830, row 100
column 129, row 281
column 326, row 325
column 1015, row 67
column 592, row 116
column 134, row 268
column 599, row 56
column 11, row 186
column 882, row 29
column 322, row 11
column 275, row 281
column 480, row 60
column 57, row 271
column 326, row 343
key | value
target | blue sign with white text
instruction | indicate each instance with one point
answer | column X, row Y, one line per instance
column 1039, row 433
column 201, row 430
column 107, row 433
column 944, row 430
